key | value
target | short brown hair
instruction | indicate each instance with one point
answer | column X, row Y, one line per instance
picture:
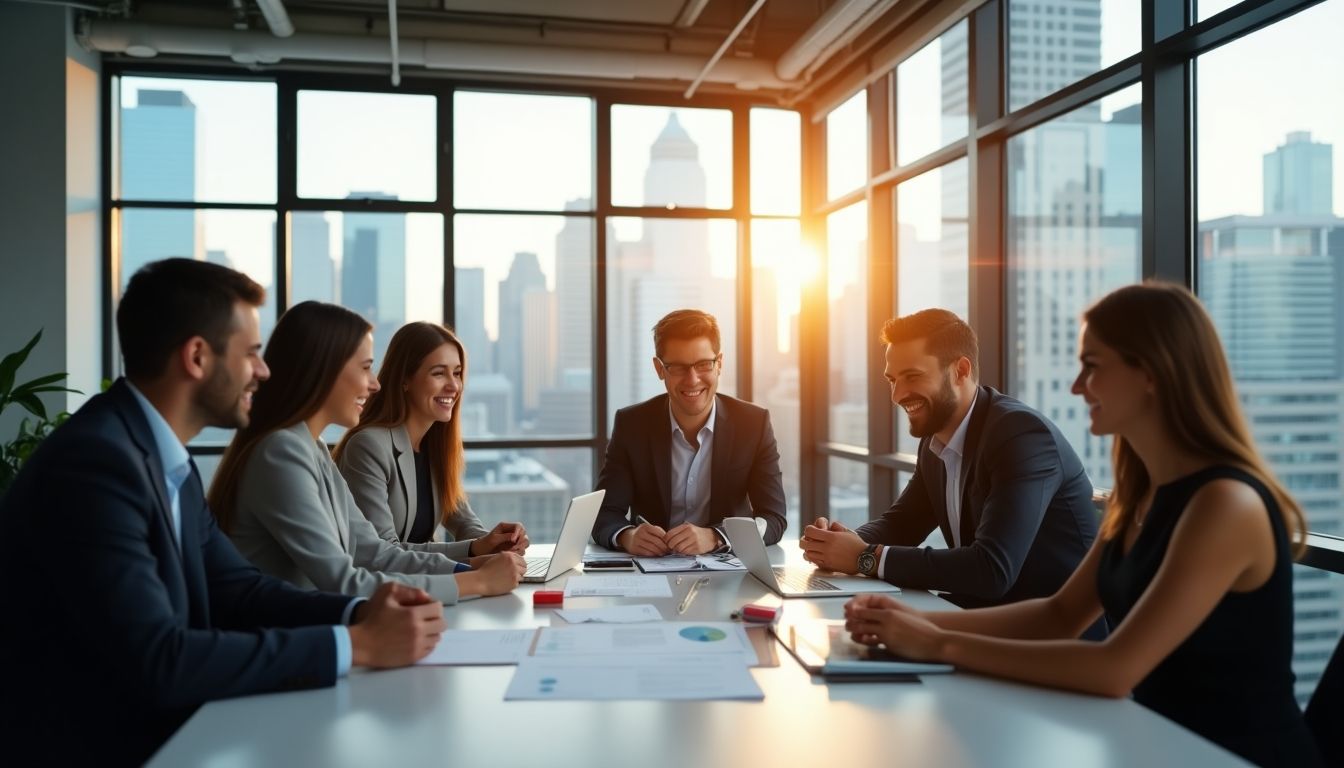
column 167, row 302
column 945, row 335
column 684, row 324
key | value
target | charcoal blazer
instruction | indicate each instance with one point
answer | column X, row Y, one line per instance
column 1027, row 517
column 745, row 480
column 114, row 633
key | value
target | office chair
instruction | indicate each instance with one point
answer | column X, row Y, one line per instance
column 1325, row 711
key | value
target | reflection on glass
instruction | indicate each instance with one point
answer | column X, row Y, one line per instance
column 848, row 492
column 654, row 267
column 388, row 267
column 661, row 156
column 850, row 336
column 1269, row 270
column 523, row 287
column 780, row 266
column 1054, row 43
column 847, row 146
column 205, row 140
column 530, row 486
column 931, row 96
column 776, row 162
column 379, row 146
column 932, row 236
column 1074, row 202
column 522, row 151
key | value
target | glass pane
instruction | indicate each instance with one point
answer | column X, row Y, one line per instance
column 386, row 266
column 379, row 146
column 1074, row 202
column 206, row 140
column 524, row 297
column 847, row 146
column 1318, row 618
column 933, row 253
column 1270, row 199
column 241, row 240
column 850, row 334
column 849, row 492
column 530, row 486
column 1206, row 8
column 654, row 267
column 776, row 162
column 1054, row 43
column 781, row 265
column 662, row 156
column 500, row 138
column 931, row 96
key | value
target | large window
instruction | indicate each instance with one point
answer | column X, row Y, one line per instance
column 1270, row 269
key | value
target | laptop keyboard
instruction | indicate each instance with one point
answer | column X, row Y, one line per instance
column 801, row 581
column 537, row 566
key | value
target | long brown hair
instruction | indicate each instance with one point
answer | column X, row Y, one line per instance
column 442, row 444
column 1163, row 329
column 310, row 345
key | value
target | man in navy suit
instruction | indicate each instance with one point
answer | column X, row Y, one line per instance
column 679, row 463
column 125, row 607
column 998, row 478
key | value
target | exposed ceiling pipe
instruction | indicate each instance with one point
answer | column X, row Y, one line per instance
column 690, row 91
column 146, row 40
column 834, row 24
column 392, row 32
column 276, row 17
column 865, row 22
column 690, row 13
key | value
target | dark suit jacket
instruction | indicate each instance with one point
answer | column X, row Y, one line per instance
column 744, row 479
column 112, row 634
column 1027, row 516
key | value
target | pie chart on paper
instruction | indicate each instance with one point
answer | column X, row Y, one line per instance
column 703, row 634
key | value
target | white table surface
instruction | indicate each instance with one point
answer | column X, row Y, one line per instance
column 458, row 716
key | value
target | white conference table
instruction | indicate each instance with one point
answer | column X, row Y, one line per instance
column 458, row 716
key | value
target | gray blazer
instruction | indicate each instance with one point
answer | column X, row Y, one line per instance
column 379, row 466
column 296, row 519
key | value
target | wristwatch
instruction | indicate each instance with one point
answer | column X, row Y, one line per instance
column 868, row 560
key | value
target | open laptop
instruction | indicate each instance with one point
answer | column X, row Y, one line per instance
column 797, row 581
column 569, row 545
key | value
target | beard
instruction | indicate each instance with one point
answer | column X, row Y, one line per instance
column 938, row 412
column 221, row 400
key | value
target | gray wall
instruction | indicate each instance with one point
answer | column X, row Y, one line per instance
column 50, row 217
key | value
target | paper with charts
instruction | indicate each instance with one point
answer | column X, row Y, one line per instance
column 617, row 585
column 709, row 638
column 480, row 646
column 639, row 677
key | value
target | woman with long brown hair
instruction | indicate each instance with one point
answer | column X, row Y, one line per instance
column 279, row 496
column 404, row 461
column 1192, row 567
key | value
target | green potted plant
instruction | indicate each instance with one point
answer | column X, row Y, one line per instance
column 15, row 451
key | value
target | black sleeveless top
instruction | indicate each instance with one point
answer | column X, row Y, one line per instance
column 1231, row 680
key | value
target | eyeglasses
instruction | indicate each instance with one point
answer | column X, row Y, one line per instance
column 677, row 370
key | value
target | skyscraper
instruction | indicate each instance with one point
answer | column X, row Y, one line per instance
column 373, row 268
column 1298, row 177
column 158, row 138
column 311, row 266
column 525, row 277
column 469, row 323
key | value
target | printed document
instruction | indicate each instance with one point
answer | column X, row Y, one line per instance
column 480, row 646
column 671, row 637
column 617, row 585
column 615, row 614
column 641, row 678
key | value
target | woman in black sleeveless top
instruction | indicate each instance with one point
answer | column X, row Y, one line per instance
column 1192, row 567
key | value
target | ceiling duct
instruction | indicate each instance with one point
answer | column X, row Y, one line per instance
column 276, row 17
column 839, row 25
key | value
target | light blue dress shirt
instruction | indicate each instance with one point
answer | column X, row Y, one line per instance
column 690, row 472
column 177, row 468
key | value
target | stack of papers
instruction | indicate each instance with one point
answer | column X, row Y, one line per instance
column 675, row 563
column 617, row 585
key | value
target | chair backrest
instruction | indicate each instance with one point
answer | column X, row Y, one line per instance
column 1325, row 711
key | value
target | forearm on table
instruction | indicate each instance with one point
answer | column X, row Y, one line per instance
column 1073, row 665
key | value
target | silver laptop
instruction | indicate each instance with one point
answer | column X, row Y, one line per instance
column 798, row 581
column 569, row 545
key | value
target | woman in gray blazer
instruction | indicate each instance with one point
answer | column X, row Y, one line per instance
column 404, row 462
column 279, row 496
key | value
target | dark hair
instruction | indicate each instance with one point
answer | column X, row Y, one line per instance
column 407, row 351
column 308, row 348
column 684, row 324
column 945, row 335
column 167, row 302
column 1163, row 329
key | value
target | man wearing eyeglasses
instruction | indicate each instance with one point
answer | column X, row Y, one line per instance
column 679, row 463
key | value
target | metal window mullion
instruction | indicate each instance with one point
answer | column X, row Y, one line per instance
column 881, row 292
column 986, row 208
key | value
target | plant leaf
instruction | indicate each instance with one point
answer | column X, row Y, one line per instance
column 31, row 404
column 10, row 365
column 41, row 381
